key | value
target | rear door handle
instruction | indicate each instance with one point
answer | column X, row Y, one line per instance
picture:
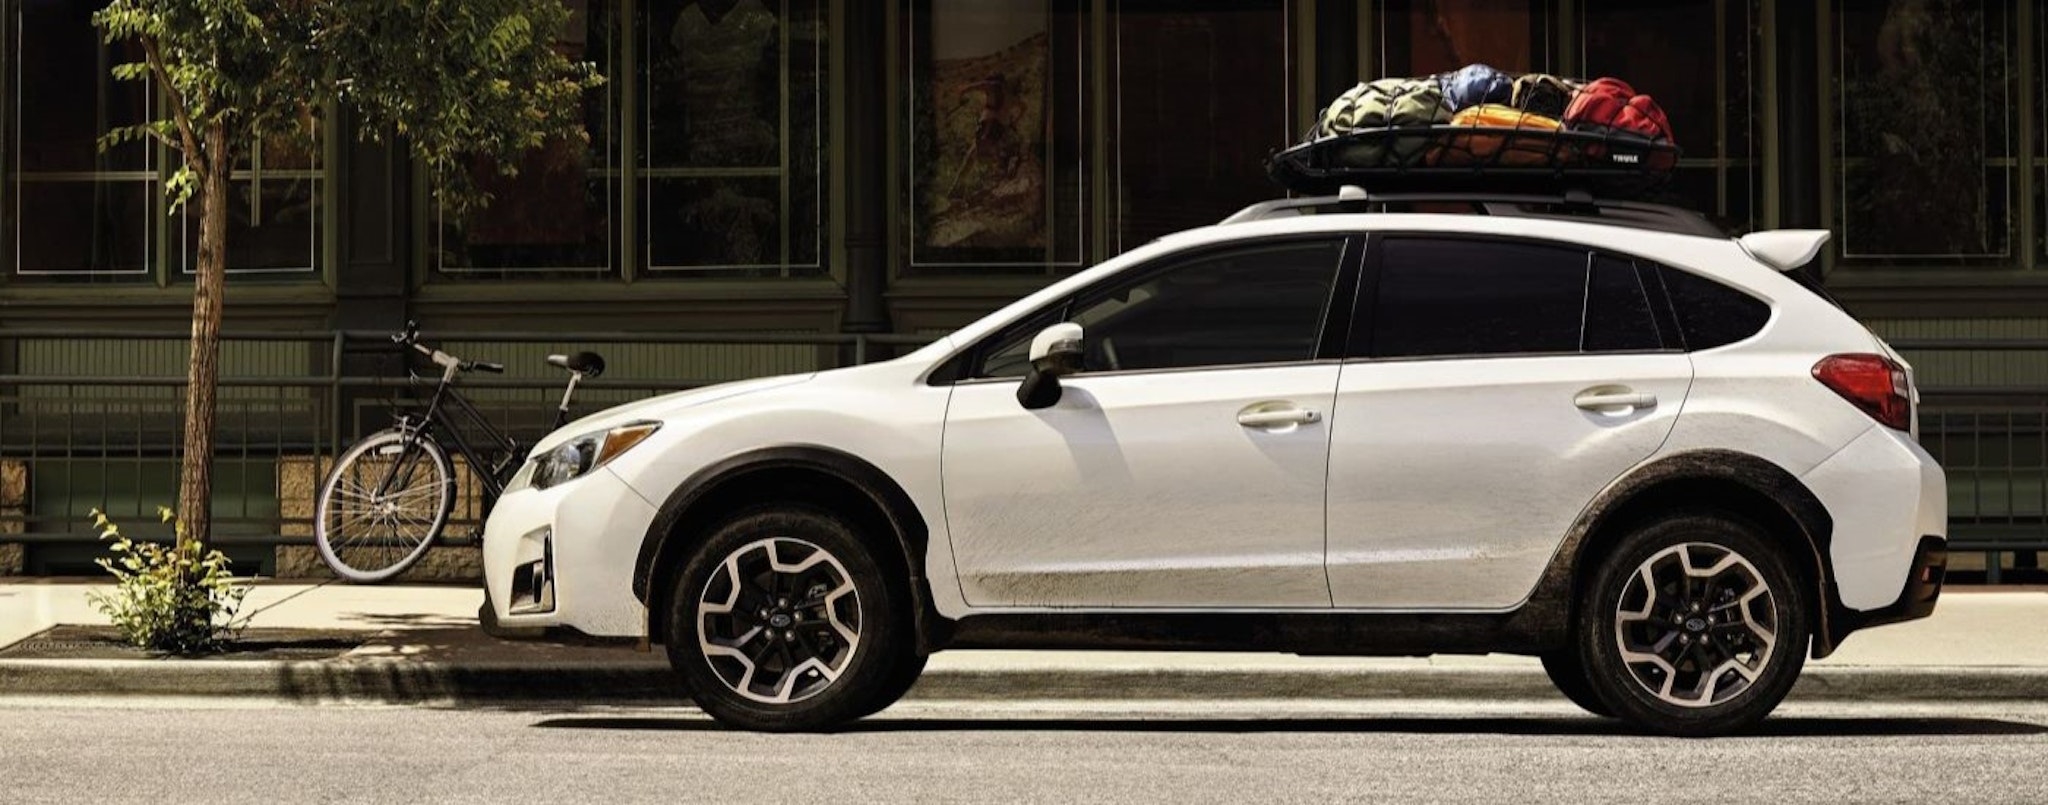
column 1609, row 399
column 1276, row 415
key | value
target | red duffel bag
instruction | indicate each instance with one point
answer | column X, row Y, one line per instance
column 1611, row 105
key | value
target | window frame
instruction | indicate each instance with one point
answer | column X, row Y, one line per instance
column 1359, row 349
column 169, row 259
column 2023, row 62
column 628, row 260
column 962, row 367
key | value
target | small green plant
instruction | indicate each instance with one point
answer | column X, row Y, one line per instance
column 175, row 599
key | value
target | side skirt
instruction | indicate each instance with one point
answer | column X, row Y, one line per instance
column 1333, row 634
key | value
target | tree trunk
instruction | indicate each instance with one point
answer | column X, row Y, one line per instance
column 195, row 476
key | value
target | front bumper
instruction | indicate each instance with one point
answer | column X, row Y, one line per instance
column 563, row 557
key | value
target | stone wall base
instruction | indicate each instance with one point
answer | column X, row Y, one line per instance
column 298, row 482
column 13, row 504
column 456, row 563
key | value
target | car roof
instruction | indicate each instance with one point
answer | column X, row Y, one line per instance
column 1569, row 205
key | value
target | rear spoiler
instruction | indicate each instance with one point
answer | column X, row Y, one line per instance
column 1784, row 249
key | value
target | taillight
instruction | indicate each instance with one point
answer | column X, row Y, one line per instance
column 1873, row 383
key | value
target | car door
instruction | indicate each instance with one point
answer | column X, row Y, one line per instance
column 1182, row 467
column 1504, row 384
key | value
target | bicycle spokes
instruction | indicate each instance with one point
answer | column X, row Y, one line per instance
column 385, row 503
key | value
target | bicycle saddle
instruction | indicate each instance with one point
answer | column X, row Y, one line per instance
column 587, row 364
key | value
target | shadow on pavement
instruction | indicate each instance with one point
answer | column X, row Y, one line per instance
column 410, row 621
column 1779, row 727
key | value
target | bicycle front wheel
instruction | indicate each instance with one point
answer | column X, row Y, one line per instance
column 383, row 506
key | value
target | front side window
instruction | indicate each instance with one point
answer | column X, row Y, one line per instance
column 1245, row 305
column 1442, row 297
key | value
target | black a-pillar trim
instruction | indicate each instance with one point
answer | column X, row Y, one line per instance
column 371, row 288
column 1336, row 48
column 867, row 193
column 1798, row 107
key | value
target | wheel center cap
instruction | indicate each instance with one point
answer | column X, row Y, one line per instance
column 779, row 620
column 1696, row 625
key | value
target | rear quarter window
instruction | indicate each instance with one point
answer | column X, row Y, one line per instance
column 1711, row 314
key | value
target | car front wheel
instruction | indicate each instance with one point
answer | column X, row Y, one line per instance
column 1697, row 626
column 784, row 620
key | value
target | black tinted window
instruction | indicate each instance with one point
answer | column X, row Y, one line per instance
column 1711, row 314
column 1618, row 317
column 1256, row 304
column 1450, row 297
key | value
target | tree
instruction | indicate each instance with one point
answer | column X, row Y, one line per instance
column 458, row 81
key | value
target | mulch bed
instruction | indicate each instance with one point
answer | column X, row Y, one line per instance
column 104, row 643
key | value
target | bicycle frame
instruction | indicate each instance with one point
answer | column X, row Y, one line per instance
column 443, row 410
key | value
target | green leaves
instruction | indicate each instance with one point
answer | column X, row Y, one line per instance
column 176, row 599
column 460, row 82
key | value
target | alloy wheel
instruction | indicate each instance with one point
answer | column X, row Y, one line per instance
column 779, row 620
column 1696, row 624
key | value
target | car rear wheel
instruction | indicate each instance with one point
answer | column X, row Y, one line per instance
column 784, row 620
column 1697, row 626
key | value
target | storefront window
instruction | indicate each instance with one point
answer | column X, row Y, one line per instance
column 74, row 212
column 1923, row 168
column 273, row 213
column 997, row 160
column 1425, row 37
column 1203, row 92
column 731, row 159
column 557, row 217
column 1708, row 93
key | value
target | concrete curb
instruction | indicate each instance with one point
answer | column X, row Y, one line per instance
column 401, row 681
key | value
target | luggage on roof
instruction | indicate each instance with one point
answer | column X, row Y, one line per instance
column 1482, row 129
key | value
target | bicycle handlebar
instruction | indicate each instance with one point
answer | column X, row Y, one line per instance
column 410, row 336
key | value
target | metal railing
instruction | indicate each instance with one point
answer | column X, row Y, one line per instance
column 71, row 441
column 84, row 429
column 1992, row 441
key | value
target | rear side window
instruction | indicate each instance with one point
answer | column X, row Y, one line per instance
column 1711, row 314
column 1618, row 313
column 1443, row 297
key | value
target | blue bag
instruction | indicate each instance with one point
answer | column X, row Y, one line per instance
column 1476, row 84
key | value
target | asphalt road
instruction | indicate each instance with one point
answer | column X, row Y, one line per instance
column 171, row 751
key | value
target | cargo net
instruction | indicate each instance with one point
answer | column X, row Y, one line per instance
column 1484, row 130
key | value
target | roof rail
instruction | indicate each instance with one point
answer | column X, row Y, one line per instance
column 1570, row 205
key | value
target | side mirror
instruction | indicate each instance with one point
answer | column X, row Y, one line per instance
column 1055, row 351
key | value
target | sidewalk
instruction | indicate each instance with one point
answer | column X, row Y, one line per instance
column 422, row 645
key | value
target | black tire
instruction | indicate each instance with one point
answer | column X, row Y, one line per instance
column 871, row 668
column 1699, row 708
column 900, row 680
column 1570, row 678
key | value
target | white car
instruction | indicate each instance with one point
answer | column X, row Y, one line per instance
column 1599, row 433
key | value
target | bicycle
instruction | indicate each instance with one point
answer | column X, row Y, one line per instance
column 389, row 495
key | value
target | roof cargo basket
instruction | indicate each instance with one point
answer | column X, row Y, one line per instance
column 1450, row 158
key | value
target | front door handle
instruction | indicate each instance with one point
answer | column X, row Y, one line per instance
column 1613, row 399
column 1276, row 415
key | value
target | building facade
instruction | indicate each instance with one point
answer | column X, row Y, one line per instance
column 775, row 169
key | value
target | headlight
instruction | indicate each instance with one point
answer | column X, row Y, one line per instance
column 577, row 457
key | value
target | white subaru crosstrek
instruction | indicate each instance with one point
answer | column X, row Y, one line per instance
column 1599, row 433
